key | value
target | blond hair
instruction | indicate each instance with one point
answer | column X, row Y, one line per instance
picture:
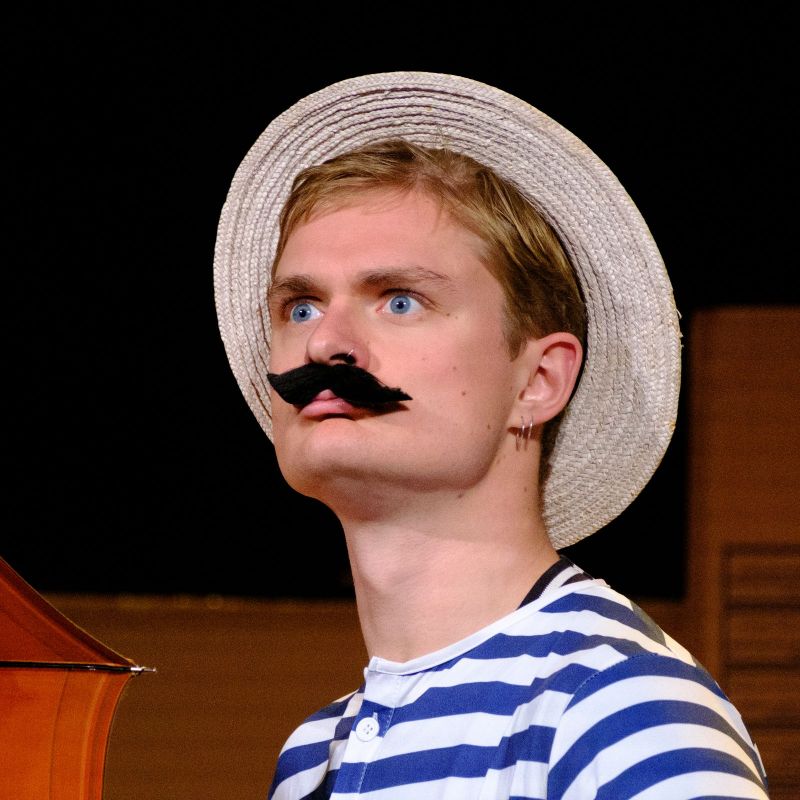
column 522, row 251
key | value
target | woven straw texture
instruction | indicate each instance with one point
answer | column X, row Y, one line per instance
column 622, row 415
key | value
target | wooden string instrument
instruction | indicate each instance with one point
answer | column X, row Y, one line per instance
column 59, row 688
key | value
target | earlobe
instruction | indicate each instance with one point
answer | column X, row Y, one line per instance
column 552, row 364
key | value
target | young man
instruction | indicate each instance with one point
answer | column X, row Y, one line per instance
column 432, row 234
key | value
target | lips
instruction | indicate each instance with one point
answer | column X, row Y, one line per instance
column 325, row 404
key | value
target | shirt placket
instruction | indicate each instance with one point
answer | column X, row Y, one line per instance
column 369, row 730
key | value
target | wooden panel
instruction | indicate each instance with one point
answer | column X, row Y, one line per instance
column 763, row 636
column 786, row 792
column 744, row 521
column 744, row 466
column 745, row 429
column 766, row 695
column 780, row 752
column 760, row 575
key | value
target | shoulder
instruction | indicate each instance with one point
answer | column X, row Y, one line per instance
column 304, row 759
column 593, row 609
column 646, row 718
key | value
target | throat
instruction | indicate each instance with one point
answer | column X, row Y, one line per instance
column 418, row 592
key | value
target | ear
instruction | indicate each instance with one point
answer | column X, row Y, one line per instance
column 551, row 365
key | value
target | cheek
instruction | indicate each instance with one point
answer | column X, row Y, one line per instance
column 281, row 418
column 288, row 345
column 471, row 391
column 289, row 448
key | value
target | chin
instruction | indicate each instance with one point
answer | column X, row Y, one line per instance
column 310, row 459
column 339, row 457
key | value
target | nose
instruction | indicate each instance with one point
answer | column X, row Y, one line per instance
column 336, row 339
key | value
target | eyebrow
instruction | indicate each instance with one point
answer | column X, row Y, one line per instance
column 398, row 277
column 291, row 285
column 401, row 276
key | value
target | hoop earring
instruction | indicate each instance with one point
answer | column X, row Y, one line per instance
column 524, row 433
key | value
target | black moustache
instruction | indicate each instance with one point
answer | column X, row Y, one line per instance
column 358, row 387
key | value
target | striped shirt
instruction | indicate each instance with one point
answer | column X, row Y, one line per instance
column 577, row 694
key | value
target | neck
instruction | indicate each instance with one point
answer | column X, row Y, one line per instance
column 434, row 568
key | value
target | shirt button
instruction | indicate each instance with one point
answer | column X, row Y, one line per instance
column 367, row 729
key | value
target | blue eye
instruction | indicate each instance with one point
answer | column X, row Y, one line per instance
column 402, row 304
column 302, row 312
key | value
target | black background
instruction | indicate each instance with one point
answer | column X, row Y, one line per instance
column 132, row 462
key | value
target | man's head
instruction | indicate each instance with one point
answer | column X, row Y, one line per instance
column 622, row 415
column 518, row 246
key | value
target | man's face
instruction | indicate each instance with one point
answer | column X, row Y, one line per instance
column 394, row 281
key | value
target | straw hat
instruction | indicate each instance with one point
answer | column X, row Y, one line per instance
column 622, row 415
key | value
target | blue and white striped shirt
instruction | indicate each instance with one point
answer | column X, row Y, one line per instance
column 577, row 694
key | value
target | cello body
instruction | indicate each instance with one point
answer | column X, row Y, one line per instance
column 59, row 688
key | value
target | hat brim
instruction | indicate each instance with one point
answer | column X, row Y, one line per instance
column 621, row 418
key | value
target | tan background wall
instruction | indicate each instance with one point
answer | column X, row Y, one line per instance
column 236, row 676
column 744, row 521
